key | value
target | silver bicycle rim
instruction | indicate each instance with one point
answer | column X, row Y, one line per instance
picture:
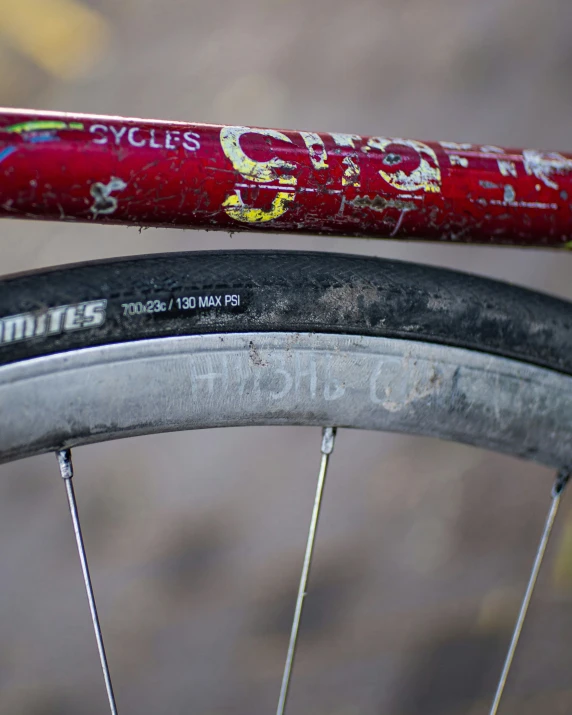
column 97, row 394
column 102, row 393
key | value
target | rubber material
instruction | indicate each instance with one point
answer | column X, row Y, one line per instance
column 292, row 291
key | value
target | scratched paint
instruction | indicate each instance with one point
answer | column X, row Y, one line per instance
column 238, row 210
column 507, row 168
column 456, row 146
column 544, row 165
column 509, row 194
column 457, row 160
column 351, row 175
column 152, row 173
column 316, row 149
column 271, row 170
column 249, row 168
column 104, row 201
column 426, row 176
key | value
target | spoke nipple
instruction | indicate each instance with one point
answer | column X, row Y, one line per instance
column 328, row 437
column 561, row 481
column 65, row 462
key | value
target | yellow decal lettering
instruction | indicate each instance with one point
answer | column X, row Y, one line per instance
column 426, row 176
column 351, row 176
column 316, row 148
column 237, row 209
column 261, row 172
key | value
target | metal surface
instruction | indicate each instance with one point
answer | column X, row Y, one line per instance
column 66, row 471
column 328, row 438
column 552, row 512
column 129, row 389
column 143, row 172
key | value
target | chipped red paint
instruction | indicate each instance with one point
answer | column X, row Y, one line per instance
column 149, row 173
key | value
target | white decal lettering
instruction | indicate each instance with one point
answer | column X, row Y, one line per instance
column 41, row 325
column 53, row 321
column 18, row 327
column 153, row 144
column 171, row 137
column 94, row 314
column 131, row 137
column 118, row 133
column 56, row 316
column 72, row 321
column 100, row 130
column 153, row 138
column 191, row 141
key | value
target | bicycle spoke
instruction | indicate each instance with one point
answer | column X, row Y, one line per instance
column 561, row 481
column 66, row 470
column 328, row 437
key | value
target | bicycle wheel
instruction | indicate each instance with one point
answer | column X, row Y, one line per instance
column 103, row 350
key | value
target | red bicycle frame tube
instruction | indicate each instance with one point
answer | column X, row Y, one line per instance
column 75, row 167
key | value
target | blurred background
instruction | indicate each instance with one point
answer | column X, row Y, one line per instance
column 196, row 539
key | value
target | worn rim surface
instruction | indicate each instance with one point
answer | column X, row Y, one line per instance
column 190, row 382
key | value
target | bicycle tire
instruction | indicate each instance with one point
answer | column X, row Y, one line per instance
column 101, row 350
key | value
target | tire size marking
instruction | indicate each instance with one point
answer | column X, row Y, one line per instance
column 182, row 303
column 149, row 306
column 192, row 302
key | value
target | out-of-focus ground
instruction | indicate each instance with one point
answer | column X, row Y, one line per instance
column 196, row 539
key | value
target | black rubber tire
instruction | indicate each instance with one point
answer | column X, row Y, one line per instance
column 281, row 291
